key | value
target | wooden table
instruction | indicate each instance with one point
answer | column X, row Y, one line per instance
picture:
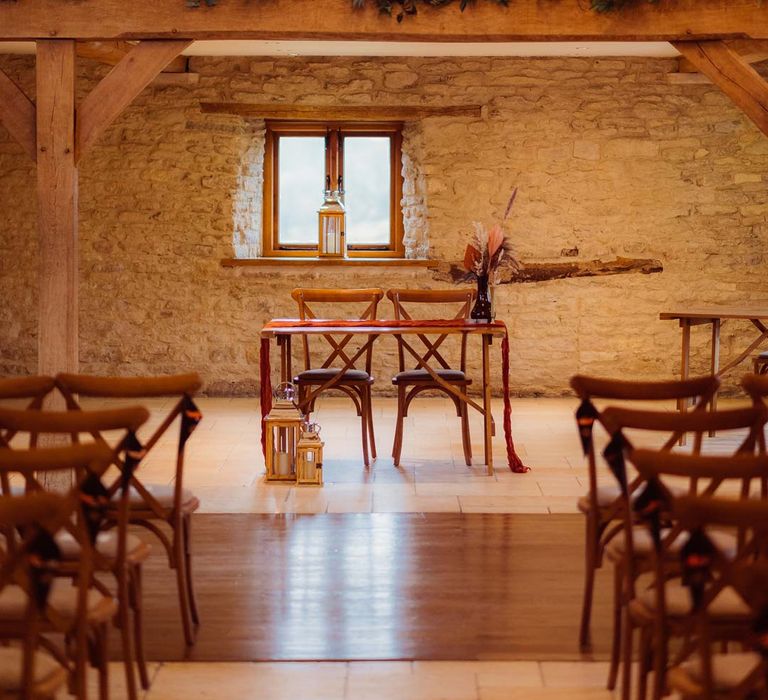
column 716, row 316
column 284, row 329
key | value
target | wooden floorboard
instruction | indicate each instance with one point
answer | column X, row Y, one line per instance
column 379, row 586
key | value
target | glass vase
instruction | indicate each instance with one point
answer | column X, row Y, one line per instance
column 482, row 311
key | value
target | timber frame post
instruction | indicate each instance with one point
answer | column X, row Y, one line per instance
column 56, row 133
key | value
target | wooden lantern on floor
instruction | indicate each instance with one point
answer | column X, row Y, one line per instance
column 332, row 224
column 283, row 427
column 309, row 460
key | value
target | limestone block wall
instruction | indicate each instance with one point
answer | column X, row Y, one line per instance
column 609, row 159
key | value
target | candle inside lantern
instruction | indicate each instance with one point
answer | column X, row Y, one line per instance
column 283, row 464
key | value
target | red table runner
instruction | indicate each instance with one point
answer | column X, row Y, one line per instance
column 514, row 461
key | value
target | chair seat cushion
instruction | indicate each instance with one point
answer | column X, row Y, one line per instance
column 320, row 376
column 47, row 671
column 62, row 600
column 106, row 545
column 419, row 376
column 163, row 494
column 727, row 605
column 642, row 543
column 728, row 670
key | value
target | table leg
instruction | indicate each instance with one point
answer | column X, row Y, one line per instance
column 715, row 363
column 487, row 416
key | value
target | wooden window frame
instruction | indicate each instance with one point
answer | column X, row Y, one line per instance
column 334, row 132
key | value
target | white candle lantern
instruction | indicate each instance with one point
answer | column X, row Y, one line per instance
column 282, row 426
column 332, row 223
column 309, row 463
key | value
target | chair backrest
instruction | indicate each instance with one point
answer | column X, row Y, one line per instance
column 28, row 566
column 756, row 385
column 31, row 390
column 459, row 300
column 180, row 387
column 365, row 299
column 699, row 389
column 706, row 476
column 707, row 570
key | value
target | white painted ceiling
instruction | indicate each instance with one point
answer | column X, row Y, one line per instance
column 383, row 48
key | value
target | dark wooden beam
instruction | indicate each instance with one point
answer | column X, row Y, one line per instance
column 57, row 207
column 17, row 115
column 543, row 272
column 733, row 75
column 378, row 113
column 139, row 67
column 523, row 20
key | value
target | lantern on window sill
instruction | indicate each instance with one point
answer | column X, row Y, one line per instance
column 309, row 461
column 283, row 426
column 332, row 223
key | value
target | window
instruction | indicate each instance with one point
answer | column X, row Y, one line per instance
column 301, row 160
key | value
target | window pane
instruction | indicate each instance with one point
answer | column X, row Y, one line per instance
column 367, row 186
column 302, row 180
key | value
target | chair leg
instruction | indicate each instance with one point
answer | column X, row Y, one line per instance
column 364, row 426
column 645, row 654
column 626, row 656
column 187, row 525
column 181, row 583
column 613, row 673
column 590, row 565
column 369, row 413
column 123, row 613
column 466, row 440
column 138, row 624
column 102, row 637
column 397, row 446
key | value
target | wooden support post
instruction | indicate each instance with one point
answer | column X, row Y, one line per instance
column 732, row 74
column 17, row 114
column 57, row 207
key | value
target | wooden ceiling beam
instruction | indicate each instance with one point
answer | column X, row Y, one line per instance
column 732, row 74
column 138, row 68
column 17, row 115
column 342, row 113
column 522, row 20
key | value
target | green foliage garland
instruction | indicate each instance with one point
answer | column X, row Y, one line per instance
column 401, row 8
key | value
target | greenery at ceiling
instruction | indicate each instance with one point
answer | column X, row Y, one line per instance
column 401, row 8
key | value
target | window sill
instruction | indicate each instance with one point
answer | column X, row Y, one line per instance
column 328, row 262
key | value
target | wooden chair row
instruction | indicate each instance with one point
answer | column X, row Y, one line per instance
column 121, row 494
column 410, row 382
column 608, row 507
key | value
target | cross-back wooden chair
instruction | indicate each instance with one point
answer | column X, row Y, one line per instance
column 639, row 552
column 601, row 505
column 698, row 671
column 412, row 382
column 29, row 672
column 75, row 606
column 115, row 550
column 355, row 383
column 150, row 504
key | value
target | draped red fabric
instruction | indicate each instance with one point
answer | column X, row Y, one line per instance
column 514, row 461
column 266, row 390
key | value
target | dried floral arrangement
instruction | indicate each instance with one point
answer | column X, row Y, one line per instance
column 490, row 250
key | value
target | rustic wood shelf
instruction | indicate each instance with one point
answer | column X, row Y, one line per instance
column 328, row 262
column 378, row 113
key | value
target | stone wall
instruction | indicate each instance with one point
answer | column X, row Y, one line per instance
column 609, row 159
